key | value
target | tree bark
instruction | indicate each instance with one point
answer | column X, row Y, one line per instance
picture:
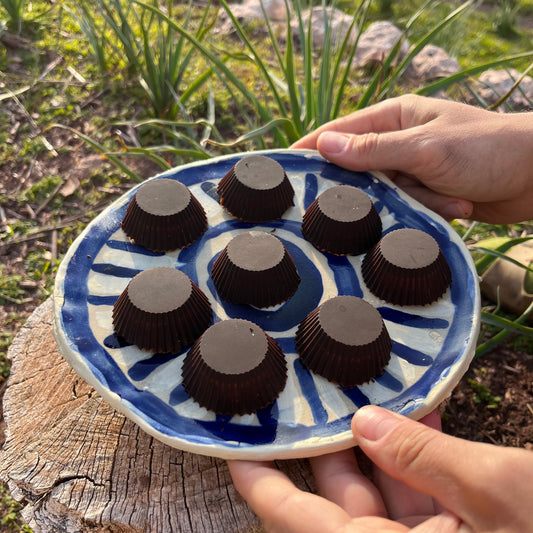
column 78, row 465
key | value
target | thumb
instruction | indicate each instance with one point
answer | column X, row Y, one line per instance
column 391, row 150
column 480, row 483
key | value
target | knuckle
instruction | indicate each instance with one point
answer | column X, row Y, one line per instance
column 367, row 143
column 416, row 450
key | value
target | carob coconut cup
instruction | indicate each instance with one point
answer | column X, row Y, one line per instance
column 163, row 216
column 344, row 340
column 161, row 310
column 406, row 267
column 342, row 221
column 234, row 368
column 256, row 189
column 255, row 269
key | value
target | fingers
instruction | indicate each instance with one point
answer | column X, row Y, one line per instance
column 339, row 479
column 447, row 207
column 384, row 116
column 478, row 482
column 413, row 151
column 280, row 505
column 401, row 500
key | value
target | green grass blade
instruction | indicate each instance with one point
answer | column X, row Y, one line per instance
column 497, row 339
column 499, row 246
column 292, row 83
column 273, row 125
column 359, row 18
column 258, row 60
column 97, row 146
column 455, row 78
column 499, row 255
column 506, row 324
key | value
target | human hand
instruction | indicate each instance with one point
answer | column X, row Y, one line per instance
column 424, row 480
column 459, row 160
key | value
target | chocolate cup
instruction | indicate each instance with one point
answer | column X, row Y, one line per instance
column 256, row 189
column 342, row 221
column 406, row 267
column 255, row 269
column 344, row 340
column 234, row 368
column 161, row 310
column 164, row 216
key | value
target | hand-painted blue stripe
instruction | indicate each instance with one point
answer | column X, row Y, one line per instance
column 311, row 189
column 210, row 189
column 386, row 380
column 415, row 357
column 412, row 320
column 307, row 383
column 286, row 344
column 102, row 300
column 223, row 429
column 356, row 396
column 178, row 395
column 142, row 369
column 115, row 342
column 237, row 435
column 345, row 276
column 114, row 270
column 129, row 247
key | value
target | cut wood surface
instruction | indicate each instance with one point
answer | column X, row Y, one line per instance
column 78, row 465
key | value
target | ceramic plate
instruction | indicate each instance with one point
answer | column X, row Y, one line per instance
column 432, row 345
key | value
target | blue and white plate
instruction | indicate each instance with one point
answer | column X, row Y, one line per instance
column 432, row 345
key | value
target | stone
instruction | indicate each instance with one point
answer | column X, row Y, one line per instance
column 339, row 23
column 338, row 20
column 431, row 63
column 493, row 84
column 376, row 43
column 251, row 10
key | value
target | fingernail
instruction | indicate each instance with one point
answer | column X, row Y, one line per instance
column 332, row 142
column 456, row 210
column 373, row 423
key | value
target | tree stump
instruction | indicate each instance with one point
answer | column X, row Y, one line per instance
column 78, row 465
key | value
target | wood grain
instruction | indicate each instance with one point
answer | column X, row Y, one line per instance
column 78, row 465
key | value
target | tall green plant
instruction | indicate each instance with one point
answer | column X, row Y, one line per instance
column 15, row 11
column 303, row 88
column 150, row 48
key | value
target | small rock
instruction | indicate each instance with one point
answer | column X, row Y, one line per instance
column 338, row 22
column 493, row 84
column 251, row 10
column 275, row 9
column 377, row 42
column 432, row 63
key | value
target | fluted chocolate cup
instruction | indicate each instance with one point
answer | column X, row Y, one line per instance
column 342, row 221
column 161, row 310
column 407, row 267
column 234, row 368
column 256, row 189
column 163, row 216
column 255, row 269
column 344, row 340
